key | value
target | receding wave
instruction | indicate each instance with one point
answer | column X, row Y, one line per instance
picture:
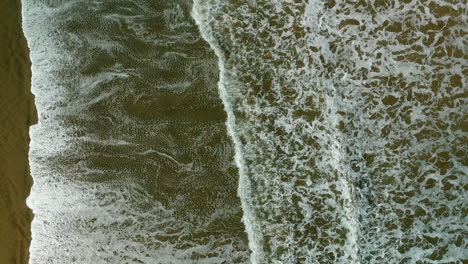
column 131, row 160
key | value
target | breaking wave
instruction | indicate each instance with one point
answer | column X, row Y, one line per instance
column 348, row 123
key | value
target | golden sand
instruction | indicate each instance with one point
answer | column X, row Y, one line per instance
column 17, row 113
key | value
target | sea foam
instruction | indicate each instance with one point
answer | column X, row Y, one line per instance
column 130, row 159
column 346, row 119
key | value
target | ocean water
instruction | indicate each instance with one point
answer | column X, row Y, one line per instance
column 131, row 159
column 349, row 122
column 248, row 131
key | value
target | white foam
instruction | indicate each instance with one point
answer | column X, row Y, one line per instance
column 90, row 207
column 377, row 105
column 250, row 219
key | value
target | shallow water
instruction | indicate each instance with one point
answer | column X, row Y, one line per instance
column 347, row 117
column 131, row 160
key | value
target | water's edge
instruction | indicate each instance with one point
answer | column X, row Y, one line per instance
column 17, row 114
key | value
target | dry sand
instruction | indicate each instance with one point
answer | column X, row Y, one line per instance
column 17, row 113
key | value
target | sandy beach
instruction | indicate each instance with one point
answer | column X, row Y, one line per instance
column 17, row 113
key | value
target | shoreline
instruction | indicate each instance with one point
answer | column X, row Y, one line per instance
column 17, row 115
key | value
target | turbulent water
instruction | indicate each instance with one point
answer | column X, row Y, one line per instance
column 348, row 120
column 131, row 159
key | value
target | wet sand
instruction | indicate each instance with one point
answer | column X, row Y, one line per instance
column 17, row 113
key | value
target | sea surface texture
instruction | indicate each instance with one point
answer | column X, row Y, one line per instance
column 350, row 126
column 131, row 159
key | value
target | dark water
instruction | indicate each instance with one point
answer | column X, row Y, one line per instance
column 131, row 159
